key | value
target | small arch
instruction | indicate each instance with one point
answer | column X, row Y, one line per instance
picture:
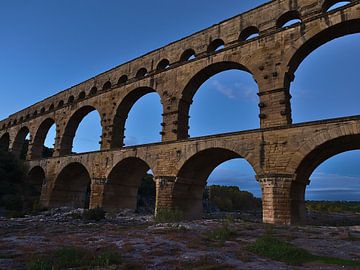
column 15, row 122
column 163, row 64
column 5, row 142
column 288, row 19
column 51, row 108
column 72, row 187
column 122, row 185
column 42, row 110
column 37, row 149
column 71, row 100
column 27, row 116
column 187, row 55
column 21, row 143
column 93, row 91
column 142, row 72
column 249, row 33
column 82, row 95
column 72, row 125
column 216, row 45
column 35, row 113
column 122, row 80
column 60, row 104
column 106, row 86
column 21, row 119
column 330, row 5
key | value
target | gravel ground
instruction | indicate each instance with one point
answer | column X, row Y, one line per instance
column 167, row 246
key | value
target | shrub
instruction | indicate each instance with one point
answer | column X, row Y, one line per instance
column 168, row 215
column 224, row 232
column 95, row 214
column 231, row 198
column 71, row 257
column 279, row 250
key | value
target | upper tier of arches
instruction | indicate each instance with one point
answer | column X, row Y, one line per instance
column 191, row 49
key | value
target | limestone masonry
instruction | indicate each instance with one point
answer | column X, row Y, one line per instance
column 282, row 154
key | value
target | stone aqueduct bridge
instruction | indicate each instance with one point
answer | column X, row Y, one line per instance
column 283, row 155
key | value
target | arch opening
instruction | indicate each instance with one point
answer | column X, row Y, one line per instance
column 71, row 100
column 80, row 132
column 21, row 143
column 193, row 176
column 5, row 142
column 331, row 5
column 216, row 45
column 60, row 104
column 137, row 118
column 233, row 92
column 187, row 55
column 107, row 86
column 130, row 186
column 288, row 19
column 163, row 64
column 321, row 84
column 122, row 80
column 93, row 91
column 249, row 33
column 142, row 72
column 36, row 179
column 44, row 135
column 314, row 160
column 82, row 95
column 72, row 188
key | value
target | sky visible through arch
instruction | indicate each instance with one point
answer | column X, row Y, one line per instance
column 48, row 46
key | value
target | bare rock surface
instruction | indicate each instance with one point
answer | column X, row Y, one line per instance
column 182, row 245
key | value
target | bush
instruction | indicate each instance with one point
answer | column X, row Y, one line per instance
column 223, row 233
column 168, row 215
column 279, row 250
column 95, row 214
column 71, row 257
column 232, row 198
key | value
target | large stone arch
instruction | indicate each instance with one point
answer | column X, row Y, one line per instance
column 19, row 141
column 5, row 142
column 192, row 177
column 310, row 156
column 36, row 177
column 192, row 86
column 67, row 138
column 71, row 187
column 317, row 36
column 122, row 111
column 123, row 181
column 39, row 138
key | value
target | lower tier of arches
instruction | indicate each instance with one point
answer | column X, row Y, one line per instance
column 282, row 159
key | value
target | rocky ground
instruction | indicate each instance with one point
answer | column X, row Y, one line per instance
column 145, row 244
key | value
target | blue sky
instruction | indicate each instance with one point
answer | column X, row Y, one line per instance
column 48, row 46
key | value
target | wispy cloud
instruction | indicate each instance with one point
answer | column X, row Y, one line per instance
column 224, row 89
column 131, row 140
column 236, row 90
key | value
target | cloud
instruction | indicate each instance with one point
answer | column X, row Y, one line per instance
column 236, row 90
column 224, row 89
column 131, row 140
